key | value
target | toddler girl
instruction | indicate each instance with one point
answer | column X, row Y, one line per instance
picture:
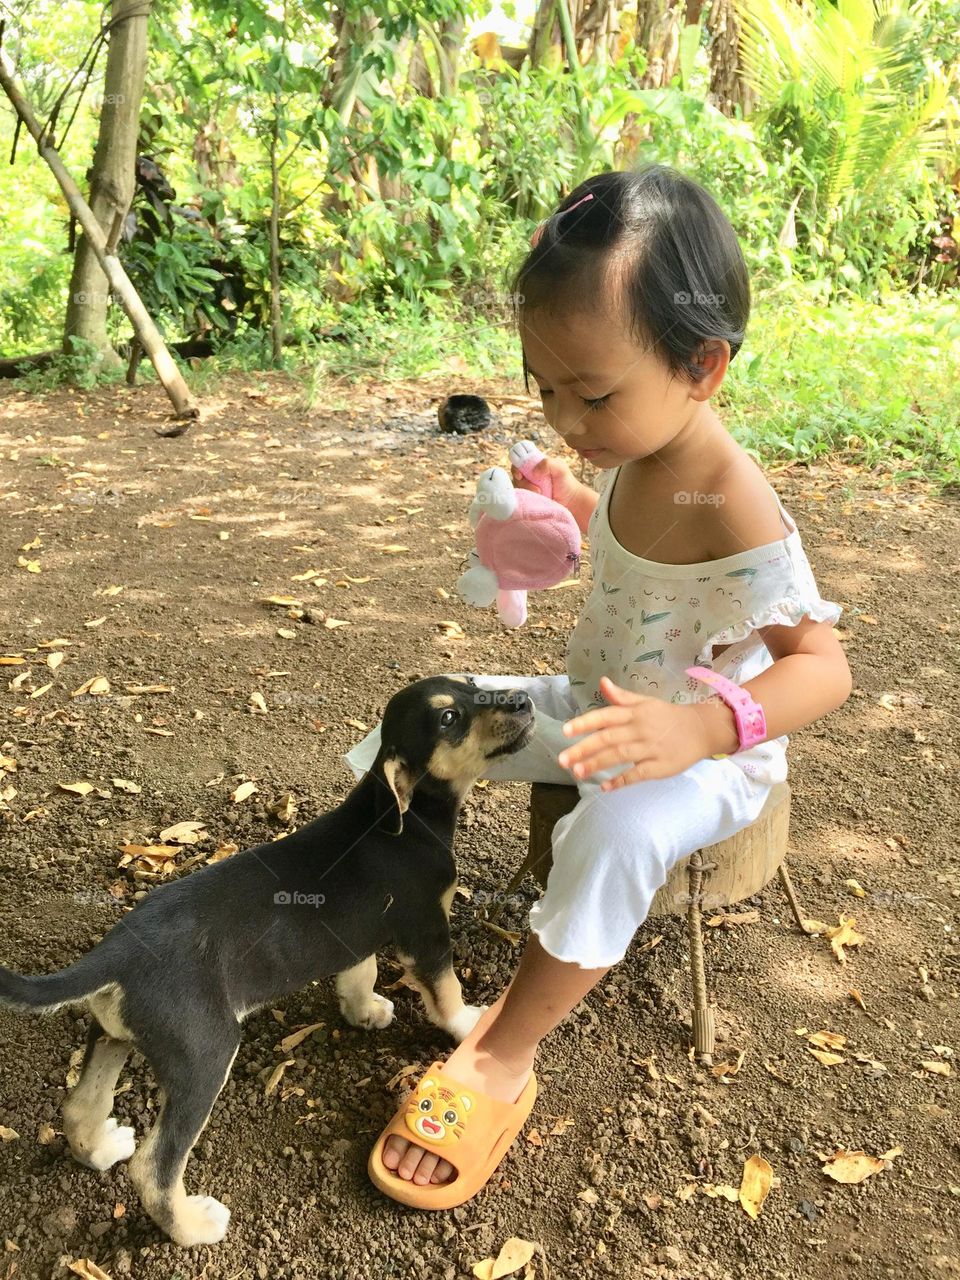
column 630, row 305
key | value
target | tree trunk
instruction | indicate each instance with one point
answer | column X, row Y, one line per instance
column 113, row 177
column 728, row 89
column 276, row 309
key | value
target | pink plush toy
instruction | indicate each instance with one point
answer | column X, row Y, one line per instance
column 525, row 541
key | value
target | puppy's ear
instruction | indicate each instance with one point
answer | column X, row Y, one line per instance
column 397, row 783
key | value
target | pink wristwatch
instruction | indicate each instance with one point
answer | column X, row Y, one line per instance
column 750, row 720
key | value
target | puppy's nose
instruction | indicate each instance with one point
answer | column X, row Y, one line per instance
column 518, row 700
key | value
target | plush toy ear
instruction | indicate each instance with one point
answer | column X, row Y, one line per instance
column 397, row 783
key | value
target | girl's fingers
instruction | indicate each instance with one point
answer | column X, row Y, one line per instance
column 622, row 753
column 602, row 718
column 622, row 697
column 595, row 743
column 637, row 774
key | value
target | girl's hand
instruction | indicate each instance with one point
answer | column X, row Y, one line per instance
column 555, row 476
column 658, row 738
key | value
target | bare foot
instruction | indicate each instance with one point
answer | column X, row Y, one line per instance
column 476, row 1069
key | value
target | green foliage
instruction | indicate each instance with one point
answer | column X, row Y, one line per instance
column 870, row 381
column 851, row 93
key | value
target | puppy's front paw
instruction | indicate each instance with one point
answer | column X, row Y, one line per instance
column 463, row 1022
column 373, row 1015
column 113, row 1144
column 200, row 1220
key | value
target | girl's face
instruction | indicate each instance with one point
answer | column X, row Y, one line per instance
column 610, row 399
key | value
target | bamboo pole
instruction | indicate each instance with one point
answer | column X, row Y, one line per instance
column 144, row 328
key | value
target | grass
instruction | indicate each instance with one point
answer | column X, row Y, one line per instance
column 872, row 383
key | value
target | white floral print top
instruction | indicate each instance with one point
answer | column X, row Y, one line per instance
column 644, row 623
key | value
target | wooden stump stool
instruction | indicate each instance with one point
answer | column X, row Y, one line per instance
column 715, row 876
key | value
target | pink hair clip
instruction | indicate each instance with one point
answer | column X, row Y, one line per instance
column 538, row 232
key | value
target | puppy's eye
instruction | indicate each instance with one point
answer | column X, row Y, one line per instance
column 449, row 717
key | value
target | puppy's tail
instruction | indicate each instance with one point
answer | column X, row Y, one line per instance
column 47, row 993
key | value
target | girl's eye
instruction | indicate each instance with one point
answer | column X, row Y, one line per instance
column 544, row 392
column 449, row 717
column 594, row 405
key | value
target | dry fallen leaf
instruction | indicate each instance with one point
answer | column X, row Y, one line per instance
column 856, row 888
column 88, row 1269
column 46, row 1134
column 285, row 633
column 183, row 833
column 516, row 1253
column 257, row 704
column 96, row 687
column 54, row 660
column 393, row 549
column 826, row 1058
column 855, row 995
column 727, row 919
column 284, row 808
column 730, row 1067
column 8, row 1135
column 844, row 935
column 588, row 1196
column 937, row 1068
column 827, row 1039
column 276, row 1075
column 755, row 1185
column 243, row 792
column 855, row 1166
column 124, row 784
column 358, row 724
column 290, row 1042
column 76, row 788
column 721, row 1191
column 224, row 851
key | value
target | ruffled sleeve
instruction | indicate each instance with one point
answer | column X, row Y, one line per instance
column 781, row 592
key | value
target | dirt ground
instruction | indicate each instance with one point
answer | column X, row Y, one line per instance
column 147, row 561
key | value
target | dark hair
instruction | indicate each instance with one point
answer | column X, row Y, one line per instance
column 659, row 245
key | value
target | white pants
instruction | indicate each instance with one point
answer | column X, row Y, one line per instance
column 616, row 848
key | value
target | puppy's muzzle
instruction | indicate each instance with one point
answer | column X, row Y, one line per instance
column 513, row 720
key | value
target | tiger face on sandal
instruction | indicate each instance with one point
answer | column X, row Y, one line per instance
column 437, row 1114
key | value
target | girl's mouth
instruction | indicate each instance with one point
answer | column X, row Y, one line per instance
column 588, row 453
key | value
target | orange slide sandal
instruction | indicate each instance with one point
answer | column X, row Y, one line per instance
column 469, row 1129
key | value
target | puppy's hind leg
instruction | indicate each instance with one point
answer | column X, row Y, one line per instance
column 94, row 1136
column 191, row 1076
column 359, row 1003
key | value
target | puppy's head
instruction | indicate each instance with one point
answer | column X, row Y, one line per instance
column 440, row 733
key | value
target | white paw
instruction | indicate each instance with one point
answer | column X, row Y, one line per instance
column 113, row 1143
column 201, row 1220
column 525, row 454
column 373, row 1015
column 463, row 1022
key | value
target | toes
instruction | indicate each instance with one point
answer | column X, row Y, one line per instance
column 425, row 1168
column 443, row 1172
column 411, row 1162
column 394, row 1150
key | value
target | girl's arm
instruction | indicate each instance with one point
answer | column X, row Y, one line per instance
column 809, row 678
column 658, row 739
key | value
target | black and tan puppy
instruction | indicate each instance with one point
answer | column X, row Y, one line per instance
column 175, row 978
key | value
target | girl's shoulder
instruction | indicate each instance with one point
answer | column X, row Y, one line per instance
column 741, row 510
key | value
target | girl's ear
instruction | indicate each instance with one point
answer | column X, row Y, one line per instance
column 396, row 787
column 713, row 357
